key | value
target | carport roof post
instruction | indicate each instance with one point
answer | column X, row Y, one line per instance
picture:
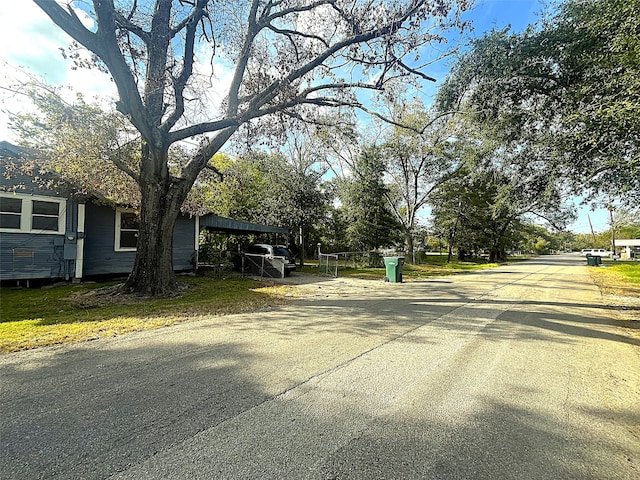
column 230, row 225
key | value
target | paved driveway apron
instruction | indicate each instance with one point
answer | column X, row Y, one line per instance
column 516, row 372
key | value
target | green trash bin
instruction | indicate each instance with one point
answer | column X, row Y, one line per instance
column 594, row 261
column 393, row 266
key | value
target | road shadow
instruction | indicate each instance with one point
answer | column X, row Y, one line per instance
column 88, row 414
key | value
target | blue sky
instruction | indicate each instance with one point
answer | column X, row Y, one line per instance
column 488, row 14
column 29, row 39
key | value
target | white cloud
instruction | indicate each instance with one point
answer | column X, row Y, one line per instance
column 30, row 44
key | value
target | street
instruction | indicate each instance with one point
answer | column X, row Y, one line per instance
column 517, row 372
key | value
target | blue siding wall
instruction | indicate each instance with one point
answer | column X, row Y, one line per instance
column 33, row 255
column 29, row 256
column 100, row 257
column 39, row 256
column 184, row 248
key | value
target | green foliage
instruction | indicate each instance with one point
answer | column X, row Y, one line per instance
column 628, row 231
column 567, row 88
column 293, row 196
column 542, row 246
column 539, row 240
column 587, row 240
column 481, row 210
column 417, row 160
column 242, row 189
column 89, row 150
column 269, row 188
column 331, row 231
column 627, row 223
column 369, row 222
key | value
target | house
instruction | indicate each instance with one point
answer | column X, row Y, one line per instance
column 630, row 248
column 47, row 233
column 52, row 234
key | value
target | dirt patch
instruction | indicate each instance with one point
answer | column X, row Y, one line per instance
column 315, row 286
column 626, row 308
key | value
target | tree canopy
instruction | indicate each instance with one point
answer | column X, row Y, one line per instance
column 285, row 60
column 417, row 163
column 369, row 222
column 568, row 85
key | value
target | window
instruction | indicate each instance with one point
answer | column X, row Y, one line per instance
column 44, row 216
column 257, row 250
column 10, row 213
column 127, row 224
column 21, row 213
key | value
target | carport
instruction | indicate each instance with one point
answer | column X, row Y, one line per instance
column 238, row 227
column 217, row 223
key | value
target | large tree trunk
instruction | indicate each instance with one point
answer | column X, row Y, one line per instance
column 153, row 273
column 498, row 254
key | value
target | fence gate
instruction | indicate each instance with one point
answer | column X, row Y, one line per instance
column 328, row 264
column 263, row 265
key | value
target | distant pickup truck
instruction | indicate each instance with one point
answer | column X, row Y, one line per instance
column 595, row 252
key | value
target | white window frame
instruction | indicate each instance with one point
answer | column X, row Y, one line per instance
column 26, row 214
column 117, row 247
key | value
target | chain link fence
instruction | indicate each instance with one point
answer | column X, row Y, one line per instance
column 263, row 265
column 331, row 263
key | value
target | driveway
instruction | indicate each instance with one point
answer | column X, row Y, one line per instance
column 516, row 372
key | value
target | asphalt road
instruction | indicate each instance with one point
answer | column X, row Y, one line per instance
column 517, row 372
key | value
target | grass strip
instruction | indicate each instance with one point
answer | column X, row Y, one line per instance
column 31, row 318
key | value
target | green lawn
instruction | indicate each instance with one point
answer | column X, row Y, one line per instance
column 435, row 265
column 618, row 277
column 628, row 270
column 31, row 318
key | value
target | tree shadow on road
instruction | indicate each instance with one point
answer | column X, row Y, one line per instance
column 88, row 412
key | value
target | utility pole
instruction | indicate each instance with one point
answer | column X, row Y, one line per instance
column 613, row 230
column 593, row 235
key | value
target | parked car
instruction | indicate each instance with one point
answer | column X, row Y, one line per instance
column 270, row 258
column 596, row 252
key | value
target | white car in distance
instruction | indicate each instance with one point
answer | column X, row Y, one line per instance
column 595, row 252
